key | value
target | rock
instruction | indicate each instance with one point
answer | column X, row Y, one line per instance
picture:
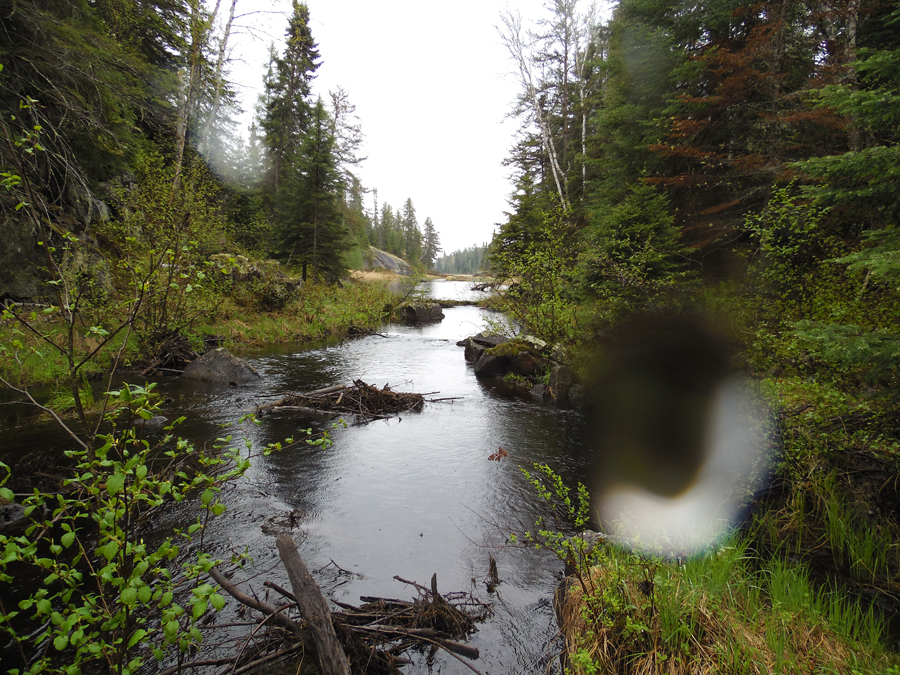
column 473, row 350
column 540, row 392
column 535, row 343
column 421, row 312
column 524, row 363
column 492, row 364
column 561, row 379
column 387, row 261
column 21, row 258
column 219, row 366
column 13, row 518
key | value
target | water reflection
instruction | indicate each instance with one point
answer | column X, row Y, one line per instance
column 410, row 496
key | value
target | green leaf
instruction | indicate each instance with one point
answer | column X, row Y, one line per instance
column 218, row 602
column 115, row 483
column 67, row 539
column 144, row 594
column 171, row 630
column 137, row 637
column 198, row 607
column 129, row 596
column 207, row 497
column 61, row 642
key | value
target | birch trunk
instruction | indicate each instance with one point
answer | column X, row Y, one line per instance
column 206, row 132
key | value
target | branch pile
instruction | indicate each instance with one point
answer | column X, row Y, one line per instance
column 367, row 639
column 361, row 399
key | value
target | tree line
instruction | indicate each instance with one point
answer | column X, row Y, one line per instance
column 95, row 93
column 679, row 146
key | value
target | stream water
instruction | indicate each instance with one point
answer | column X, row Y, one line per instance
column 410, row 496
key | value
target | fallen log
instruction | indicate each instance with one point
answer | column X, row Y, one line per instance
column 314, row 609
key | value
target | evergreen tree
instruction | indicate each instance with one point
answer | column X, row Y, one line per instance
column 308, row 211
column 286, row 110
column 412, row 238
column 431, row 244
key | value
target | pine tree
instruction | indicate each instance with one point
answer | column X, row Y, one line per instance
column 412, row 238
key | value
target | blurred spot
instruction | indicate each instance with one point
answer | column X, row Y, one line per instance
column 681, row 440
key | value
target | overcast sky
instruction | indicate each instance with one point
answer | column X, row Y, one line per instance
column 431, row 85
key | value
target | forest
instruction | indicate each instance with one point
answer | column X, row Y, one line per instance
column 725, row 161
column 737, row 163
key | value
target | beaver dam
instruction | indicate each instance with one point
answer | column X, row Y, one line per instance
column 361, row 399
column 370, row 638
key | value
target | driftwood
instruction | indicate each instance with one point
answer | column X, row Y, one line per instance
column 314, row 609
column 364, row 400
column 369, row 638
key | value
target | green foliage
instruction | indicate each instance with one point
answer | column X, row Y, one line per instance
column 792, row 246
column 632, row 258
column 540, row 273
column 106, row 593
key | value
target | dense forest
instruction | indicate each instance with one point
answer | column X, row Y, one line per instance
column 728, row 163
column 103, row 99
column 472, row 260
column 736, row 163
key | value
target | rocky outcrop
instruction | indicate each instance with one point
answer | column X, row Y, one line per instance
column 378, row 259
column 20, row 258
column 219, row 366
column 526, row 362
column 264, row 279
column 420, row 312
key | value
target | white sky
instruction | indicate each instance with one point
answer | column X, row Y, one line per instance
column 431, row 85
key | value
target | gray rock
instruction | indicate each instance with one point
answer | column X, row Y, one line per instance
column 539, row 391
column 13, row 518
column 490, row 340
column 387, row 261
column 219, row 366
column 421, row 312
column 473, row 350
column 492, row 365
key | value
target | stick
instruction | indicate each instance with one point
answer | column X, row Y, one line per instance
column 261, row 606
column 412, row 583
column 314, row 608
column 447, row 645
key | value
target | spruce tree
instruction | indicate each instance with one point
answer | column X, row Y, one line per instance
column 308, row 210
column 287, row 110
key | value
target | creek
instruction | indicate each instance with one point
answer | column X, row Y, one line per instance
column 410, row 496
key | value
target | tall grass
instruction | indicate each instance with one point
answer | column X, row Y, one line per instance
column 726, row 612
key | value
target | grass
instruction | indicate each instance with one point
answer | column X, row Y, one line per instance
column 793, row 594
column 726, row 612
column 319, row 310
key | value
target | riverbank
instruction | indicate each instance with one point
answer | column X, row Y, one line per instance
column 315, row 311
column 806, row 583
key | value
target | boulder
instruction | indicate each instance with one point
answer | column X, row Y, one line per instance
column 387, row 261
column 13, row 519
column 219, row 366
column 491, row 364
column 561, row 379
column 421, row 312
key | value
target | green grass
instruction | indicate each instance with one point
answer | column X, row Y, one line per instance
column 725, row 612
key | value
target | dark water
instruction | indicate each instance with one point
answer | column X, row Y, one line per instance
column 410, row 496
